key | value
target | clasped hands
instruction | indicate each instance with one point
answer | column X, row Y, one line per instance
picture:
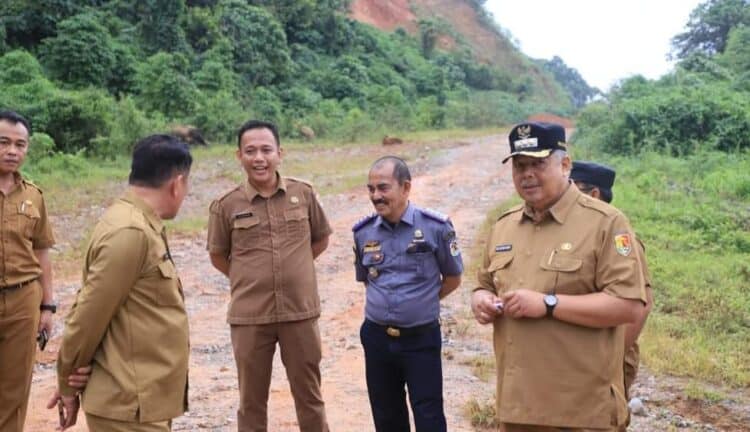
column 522, row 303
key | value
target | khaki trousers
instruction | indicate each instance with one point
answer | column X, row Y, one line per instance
column 101, row 424
column 254, row 346
column 508, row 427
column 19, row 323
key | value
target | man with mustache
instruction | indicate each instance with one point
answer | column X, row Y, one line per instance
column 264, row 235
column 559, row 278
column 408, row 259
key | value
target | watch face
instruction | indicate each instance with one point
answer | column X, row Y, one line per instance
column 550, row 300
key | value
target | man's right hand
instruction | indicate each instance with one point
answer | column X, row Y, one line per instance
column 68, row 406
column 484, row 304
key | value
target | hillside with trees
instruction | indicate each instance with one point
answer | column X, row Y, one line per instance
column 94, row 75
column 681, row 145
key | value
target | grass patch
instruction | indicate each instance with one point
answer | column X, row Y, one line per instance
column 699, row 392
column 696, row 229
column 187, row 226
column 481, row 414
column 482, row 366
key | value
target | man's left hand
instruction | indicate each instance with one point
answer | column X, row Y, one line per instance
column 45, row 322
column 524, row 304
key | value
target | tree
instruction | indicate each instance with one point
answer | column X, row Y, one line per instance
column 159, row 24
column 82, row 53
column 261, row 53
column 572, row 81
column 709, row 26
column 737, row 53
column 162, row 85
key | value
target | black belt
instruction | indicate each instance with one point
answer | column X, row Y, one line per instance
column 16, row 286
column 394, row 331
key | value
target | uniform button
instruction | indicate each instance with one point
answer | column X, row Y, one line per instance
column 537, row 228
column 528, row 253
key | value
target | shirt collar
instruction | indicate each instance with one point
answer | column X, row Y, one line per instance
column 407, row 217
column 153, row 219
column 252, row 192
column 560, row 210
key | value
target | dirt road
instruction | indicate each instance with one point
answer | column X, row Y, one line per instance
column 463, row 179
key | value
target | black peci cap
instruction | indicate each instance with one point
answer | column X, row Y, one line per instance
column 535, row 139
column 601, row 176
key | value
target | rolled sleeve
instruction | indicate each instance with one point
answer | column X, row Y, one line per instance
column 43, row 237
column 319, row 226
column 113, row 267
column 359, row 269
column 619, row 264
column 450, row 264
column 219, row 239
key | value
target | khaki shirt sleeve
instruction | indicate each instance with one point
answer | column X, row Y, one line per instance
column 484, row 276
column 42, row 237
column 219, row 232
column 113, row 267
column 619, row 272
column 319, row 227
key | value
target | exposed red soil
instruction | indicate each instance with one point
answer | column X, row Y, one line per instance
column 384, row 14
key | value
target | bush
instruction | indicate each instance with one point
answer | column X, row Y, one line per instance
column 220, row 117
column 42, row 146
column 82, row 53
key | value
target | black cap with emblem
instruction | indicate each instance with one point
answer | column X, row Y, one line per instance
column 535, row 139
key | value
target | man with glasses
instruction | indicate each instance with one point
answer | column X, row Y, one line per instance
column 558, row 279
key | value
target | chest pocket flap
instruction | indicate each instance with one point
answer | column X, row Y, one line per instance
column 500, row 261
column 167, row 292
column 561, row 263
column 246, row 222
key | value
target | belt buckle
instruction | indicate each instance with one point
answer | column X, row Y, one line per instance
column 393, row 332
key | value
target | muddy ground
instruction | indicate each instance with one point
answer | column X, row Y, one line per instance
column 463, row 179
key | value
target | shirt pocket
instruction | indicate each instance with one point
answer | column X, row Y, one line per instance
column 167, row 290
column 246, row 232
column 562, row 273
column 500, row 269
column 420, row 258
column 28, row 218
column 297, row 223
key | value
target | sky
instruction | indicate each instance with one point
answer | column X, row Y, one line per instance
column 605, row 40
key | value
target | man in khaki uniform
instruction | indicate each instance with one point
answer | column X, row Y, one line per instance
column 26, row 299
column 264, row 235
column 596, row 180
column 559, row 278
column 129, row 316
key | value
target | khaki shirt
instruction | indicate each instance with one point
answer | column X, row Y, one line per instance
column 25, row 227
column 268, row 242
column 551, row 372
column 129, row 320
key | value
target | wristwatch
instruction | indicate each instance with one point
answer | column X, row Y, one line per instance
column 550, row 301
column 48, row 307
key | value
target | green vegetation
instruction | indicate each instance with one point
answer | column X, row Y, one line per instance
column 681, row 147
column 94, row 75
column 481, row 414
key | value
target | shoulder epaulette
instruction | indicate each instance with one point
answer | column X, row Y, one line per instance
column 298, row 180
column 596, row 204
column 514, row 209
column 364, row 221
column 28, row 183
column 432, row 214
column 221, row 198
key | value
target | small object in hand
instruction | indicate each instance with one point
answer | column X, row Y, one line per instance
column 499, row 305
column 42, row 339
column 61, row 412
